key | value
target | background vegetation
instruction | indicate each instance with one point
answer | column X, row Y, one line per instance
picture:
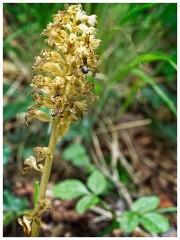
column 129, row 134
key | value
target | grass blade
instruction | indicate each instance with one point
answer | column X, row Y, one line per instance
column 150, row 57
column 156, row 88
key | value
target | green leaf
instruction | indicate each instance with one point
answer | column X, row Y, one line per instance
column 146, row 204
column 97, row 182
column 76, row 153
column 69, row 189
column 8, row 217
column 19, row 32
column 165, row 210
column 149, row 94
column 86, row 202
column 154, row 223
column 149, row 57
column 157, row 89
column 82, row 130
column 136, row 10
column 11, row 109
column 89, row 168
column 12, row 207
column 7, row 152
column 81, row 161
column 73, row 150
column 13, row 203
column 167, row 130
column 109, row 229
column 129, row 221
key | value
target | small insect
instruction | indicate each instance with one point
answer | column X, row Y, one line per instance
column 84, row 68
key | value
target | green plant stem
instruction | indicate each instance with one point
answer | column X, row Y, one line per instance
column 105, row 205
column 36, row 191
column 46, row 174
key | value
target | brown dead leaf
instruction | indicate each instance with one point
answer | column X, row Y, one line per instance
column 165, row 202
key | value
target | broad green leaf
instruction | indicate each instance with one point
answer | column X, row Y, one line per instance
column 76, row 153
column 97, row 182
column 73, row 150
column 129, row 221
column 81, row 161
column 154, row 223
column 146, row 204
column 69, row 189
column 86, row 202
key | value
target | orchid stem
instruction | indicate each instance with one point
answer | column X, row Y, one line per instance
column 46, row 174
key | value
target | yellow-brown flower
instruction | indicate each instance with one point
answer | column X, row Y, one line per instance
column 59, row 81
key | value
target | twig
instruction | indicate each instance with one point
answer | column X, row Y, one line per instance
column 121, row 126
column 95, row 159
column 114, row 177
column 130, row 147
column 145, row 160
column 120, row 157
column 101, row 211
column 100, row 219
column 122, row 190
column 164, row 174
column 98, row 150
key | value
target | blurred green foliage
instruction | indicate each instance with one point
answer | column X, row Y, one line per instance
column 76, row 153
column 96, row 185
column 138, row 54
column 12, row 207
column 143, row 212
